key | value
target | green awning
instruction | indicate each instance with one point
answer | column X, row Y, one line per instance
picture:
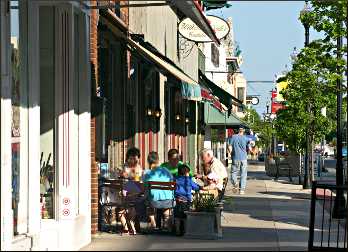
column 215, row 4
column 224, row 97
column 213, row 116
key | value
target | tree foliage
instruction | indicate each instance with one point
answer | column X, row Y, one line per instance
column 312, row 80
column 263, row 128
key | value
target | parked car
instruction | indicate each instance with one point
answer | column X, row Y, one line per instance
column 328, row 151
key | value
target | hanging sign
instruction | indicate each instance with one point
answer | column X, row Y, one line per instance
column 189, row 30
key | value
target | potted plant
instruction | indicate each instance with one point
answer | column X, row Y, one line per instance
column 203, row 221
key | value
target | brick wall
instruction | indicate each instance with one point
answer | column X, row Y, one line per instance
column 122, row 145
column 94, row 72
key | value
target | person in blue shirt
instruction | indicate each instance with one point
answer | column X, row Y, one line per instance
column 183, row 195
column 160, row 199
column 184, row 184
column 238, row 146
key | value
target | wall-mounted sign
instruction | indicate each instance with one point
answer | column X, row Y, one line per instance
column 191, row 31
column 254, row 101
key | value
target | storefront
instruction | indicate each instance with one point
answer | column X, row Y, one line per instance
column 218, row 116
column 45, row 118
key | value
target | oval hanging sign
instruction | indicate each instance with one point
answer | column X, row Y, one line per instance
column 189, row 30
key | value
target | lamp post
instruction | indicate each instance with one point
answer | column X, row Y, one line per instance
column 306, row 180
column 339, row 210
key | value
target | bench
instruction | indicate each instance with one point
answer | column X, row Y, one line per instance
column 282, row 164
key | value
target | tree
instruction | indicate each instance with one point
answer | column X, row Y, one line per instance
column 312, row 80
column 262, row 128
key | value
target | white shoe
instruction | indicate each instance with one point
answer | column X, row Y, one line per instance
column 241, row 192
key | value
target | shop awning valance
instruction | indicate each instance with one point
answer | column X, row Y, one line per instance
column 191, row 92
column 212, row 116
column 227, row 99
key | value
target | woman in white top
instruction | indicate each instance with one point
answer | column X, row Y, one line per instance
column 132, row 171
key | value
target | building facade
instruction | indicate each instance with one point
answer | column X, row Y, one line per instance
column 222, row 68
column 45, row 114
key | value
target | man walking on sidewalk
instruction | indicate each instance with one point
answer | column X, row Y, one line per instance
column 238, row 145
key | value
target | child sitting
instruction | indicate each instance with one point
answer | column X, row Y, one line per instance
column 211, row 187
column 183, row 195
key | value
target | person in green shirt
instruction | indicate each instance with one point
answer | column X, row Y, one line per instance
column 174, row 162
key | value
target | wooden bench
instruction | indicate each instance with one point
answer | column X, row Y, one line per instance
column 282, row 164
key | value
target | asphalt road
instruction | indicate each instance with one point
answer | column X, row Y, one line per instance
column 330, row 163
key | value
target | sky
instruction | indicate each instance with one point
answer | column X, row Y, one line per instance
column 267, row 32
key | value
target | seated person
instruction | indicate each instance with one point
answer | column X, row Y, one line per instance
column 132, row 171
column 211, row 186
column 183, row 195
column 173, row 162
column 152, row 160
column 213, row 164
column 162, row 199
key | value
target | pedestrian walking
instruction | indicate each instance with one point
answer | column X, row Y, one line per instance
column 239, row 145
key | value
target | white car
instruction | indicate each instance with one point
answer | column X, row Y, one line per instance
column 328, row 151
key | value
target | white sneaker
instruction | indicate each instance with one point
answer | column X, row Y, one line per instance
column 241, row 192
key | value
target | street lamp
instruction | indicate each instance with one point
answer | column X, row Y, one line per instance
column 306, row 180
column 339, row 210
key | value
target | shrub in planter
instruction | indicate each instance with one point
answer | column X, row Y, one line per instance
column 204, row 220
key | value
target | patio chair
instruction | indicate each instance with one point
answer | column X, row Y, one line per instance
column 222, row 192
column 118, row 203
column 167, row 186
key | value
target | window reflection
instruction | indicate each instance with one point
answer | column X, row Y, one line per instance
column 47, row 112
column 15, row 99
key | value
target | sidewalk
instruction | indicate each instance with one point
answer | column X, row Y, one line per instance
column 271, row 216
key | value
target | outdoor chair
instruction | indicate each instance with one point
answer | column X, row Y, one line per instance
column 156, row 185
column 222, row 192
column 118, row 203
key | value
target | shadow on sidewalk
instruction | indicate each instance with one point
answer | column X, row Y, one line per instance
column 293, row 211
column 305, row 196
column 234, row 238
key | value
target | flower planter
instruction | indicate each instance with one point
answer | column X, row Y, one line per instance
column 204, row 225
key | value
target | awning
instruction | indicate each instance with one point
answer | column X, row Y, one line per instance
column 192, row 87
column 213, row 116
column 192, row 10
column 227, row 99
column 215, row 4
column 191, row 92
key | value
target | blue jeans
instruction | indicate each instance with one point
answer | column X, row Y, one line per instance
column 242, row 166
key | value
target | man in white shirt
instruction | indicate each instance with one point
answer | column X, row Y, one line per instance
column 214, row 165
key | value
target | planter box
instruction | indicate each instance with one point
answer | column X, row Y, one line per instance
column 204, row 225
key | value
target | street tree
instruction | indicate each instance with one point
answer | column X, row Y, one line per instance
column 312, row 80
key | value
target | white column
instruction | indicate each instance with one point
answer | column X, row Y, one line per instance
column 24, row 134
column 34, row 218
column 5, row 123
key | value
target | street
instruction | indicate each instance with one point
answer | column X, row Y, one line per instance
column 330, row 163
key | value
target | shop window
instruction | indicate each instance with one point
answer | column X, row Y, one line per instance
column 16, row 110
column 215, row 55
column 240, row 96
column 47, row 111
